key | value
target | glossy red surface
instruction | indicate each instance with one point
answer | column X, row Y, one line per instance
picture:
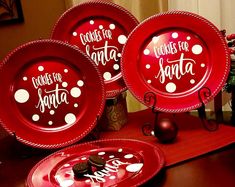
column 100, row 29
column 49, row 89
column 127, row 164
column 177, row 56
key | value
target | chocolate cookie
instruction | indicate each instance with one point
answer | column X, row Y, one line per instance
column 96, row 161
column 80, row 169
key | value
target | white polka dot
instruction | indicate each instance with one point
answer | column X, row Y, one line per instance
column 146, row 51
column 25, row 78
column 107, row 76
column 134, row 167
column 50, row 122
column 192, row 81
column 66, row 183
column 80, row 83
column 87, row 181
column 64, row 84
column 83, row 158
column 92, row 22
column 70, row 118
column 75, row 105
column 128, row 156
column 75, row 92
column 155, row 39
column 188, row 38
column 119, row 55
column 174, row 35
column 111, row 156
column 101, row 27
column 75, row 33
column 149, row 81
column 40, row 68
column 21, row 96
column 101, row 153
column 120, row 150
column 147, row 66
column 197, row 49
column 66, row 165
column 35, row 117
column 66, row 70
column 52, row 112
column 112, row 26
column 152, row 133
column 122, row 39
column 116, row 67
column 203, row 65
column 112, row 177
column 170, row 87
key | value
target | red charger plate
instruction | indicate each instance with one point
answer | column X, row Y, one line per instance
column 100, row 29
column 128, row 163
column 179, row 57
column 51, row 94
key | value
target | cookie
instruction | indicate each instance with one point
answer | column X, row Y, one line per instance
column 80, row 169
column 96, row 161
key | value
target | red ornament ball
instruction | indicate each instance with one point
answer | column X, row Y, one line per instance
column 165, row 130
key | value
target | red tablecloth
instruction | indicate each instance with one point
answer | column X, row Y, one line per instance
column 192, row 139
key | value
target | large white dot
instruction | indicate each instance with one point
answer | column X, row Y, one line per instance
column 80, row 83
column 21, row 96
column 122, row 39
column 197, row 49
column 107, row 76
column 170, row 87
column 174, row 35
column 147, row 66
column 116, row 67
column 146, row 51
column 134, row 167
column 35, row 117
column 92, row 22
column 112, row 26
column 40, row 68
column 75, row 92
column 70, row 118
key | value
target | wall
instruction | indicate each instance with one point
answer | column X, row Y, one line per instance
column 39, row 19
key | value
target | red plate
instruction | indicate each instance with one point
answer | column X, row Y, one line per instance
column 177, row 56
column 128, row 163
column 51, row 94
column 100, row 29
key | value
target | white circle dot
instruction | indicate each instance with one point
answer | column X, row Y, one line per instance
column 112, row 177
column 87, row 181
column 92, row 22
column 66, row 70
column 188, row 38
column 50, row 123
column 25, row 78
column 75, row 92
column 40, row 68
column 174, row 35
column 101, row 153
column 83, row 158
column 116, row 67
column 170, row 87
column 155, row 39
column 128, row 156
column 80, row 83
column 197, row 49
column 134, row 167
column 192, row 81
column 101, row 27
column 203, row 65
column 107, row 76
column 146, row 51
column 122, row 39
column 52, row 112
column 75, row 33
column 35, row 117
column 112, row 26
column 66, row 183
column 111, row 156
column 75, row 105
column 119, row 55
column 149, row 81
column 120, row 150
column 66, row 165
column 70, row 118
column 147, row 66
column 64, row 84
column 21, row 96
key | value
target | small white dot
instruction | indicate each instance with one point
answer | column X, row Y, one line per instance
column 170, row 87
column 119, row 55
column 128, row 156
column 197, row 49
column 122, row 39
column 83, row 158
column 174, row 35
column 25, row 78
column 120, row 150
column 35, row 117
column 64, row 84
column 75, row 92
column 116, row 67
column 147, row 66
column 101, row 27
column 192, row 81
column 70, row 118
column 52, row 112
column 75, row 105
column 111, row 156
column 112, row 177
column 112, row 26
column 188, row 38
column 40, row 68
column 149, row 81
column 203, row 65
column 92, row 22
column 21, row 96
column 66, row 70
column 101, row 153
column 75, row 33
column 66, row 165
column 146, row 51
column 155, row 39
column 87, row 181
column 80, row 83
column 107, row 76
column 50, row 123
